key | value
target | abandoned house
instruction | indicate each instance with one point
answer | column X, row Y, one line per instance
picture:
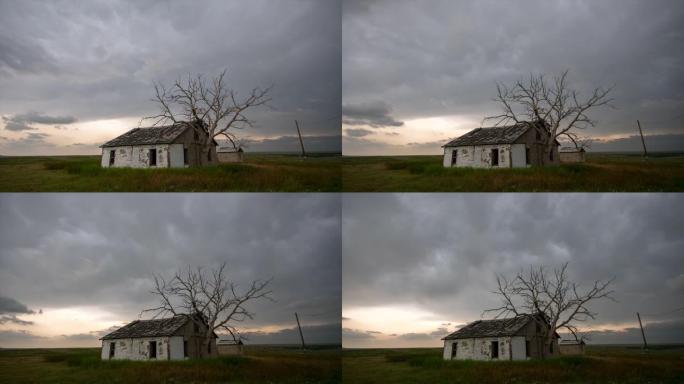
column 571, row 347
column 175, row 338
column 229, row 347
column 571, row 155
column 514, row 146
column 171, row 146
column 230, row 155
column 517, row 338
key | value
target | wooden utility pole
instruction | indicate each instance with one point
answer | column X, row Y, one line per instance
column 301, row 335
column 301, row 142
column 642, row 332
column 643, row 143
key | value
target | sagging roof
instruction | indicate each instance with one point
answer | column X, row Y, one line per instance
column 492, row 328
column 491, row 135
column 149, row 135
column 149, row 328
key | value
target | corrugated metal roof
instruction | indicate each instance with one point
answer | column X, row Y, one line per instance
column 491, row 328
column 149, row 328
column 149, row 135
column 491, row 135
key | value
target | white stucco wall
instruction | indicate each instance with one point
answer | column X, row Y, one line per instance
column 138, row 348
column 518, row 348
column 478, row 156
column 176, row 348
column 479, row 348
column 136, row 156
column 518, row 156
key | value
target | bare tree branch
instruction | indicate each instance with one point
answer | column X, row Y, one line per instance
column 211, row 300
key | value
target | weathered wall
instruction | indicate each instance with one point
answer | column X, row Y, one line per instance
column 571, row 157
column 478, row 348
column 194, row 149
column 137, row 349
column 573, row 349
column 229, row 349
column 195, row 349
column 478, row 156
column 230, row 157
column 136, row 156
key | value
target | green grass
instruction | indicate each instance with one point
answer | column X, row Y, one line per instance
column 258, row 365
column 600, row 173
column 605, row 364
column 267, row 173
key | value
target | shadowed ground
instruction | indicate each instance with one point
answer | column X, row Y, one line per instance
column 267, row 173
column 601, row 173
column 604, row 364
column 258, row 365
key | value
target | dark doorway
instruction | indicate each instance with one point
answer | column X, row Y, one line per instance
column 454, row 156
column 153, row 157
column 112, row 156
column 185, row 348
column 527, row 348
column 495, row 156
column 495, row 349
column 112, row 348
column 527, row 156
column 185, row 156
column 153, row 349
column 454, row 350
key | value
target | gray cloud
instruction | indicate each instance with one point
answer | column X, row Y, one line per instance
column 440, row 252
column 10, row 308
column 445, row 59
column 316, row 334
column 56, row 247
column 22, row 122
column 99, row 61
column 291, row 144
column 376, row 114
column 357, row 132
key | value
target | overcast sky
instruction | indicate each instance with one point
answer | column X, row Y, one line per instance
column 417, row 73
column 74, row 265
column 417, row 266
column 76, row 74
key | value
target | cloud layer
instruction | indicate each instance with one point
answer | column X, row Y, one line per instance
column 93, row 256
column 436, row 255
column 98, row 61
column 443, row 60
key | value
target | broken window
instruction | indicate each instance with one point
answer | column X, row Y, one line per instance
column 209, row 347
column 495, row 156
column 495, row 349
column 112, row 349
column 153, row 156
column 185, row 156
column 112, row 156
column 454, row 350
column 551, row 155
column 454, row 156
column 209, row 155
column 153, row 349
column 551, row 348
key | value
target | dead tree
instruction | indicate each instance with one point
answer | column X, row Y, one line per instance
column 551, row 104
column 556, row 302
column 215, row 109
column 209, row 298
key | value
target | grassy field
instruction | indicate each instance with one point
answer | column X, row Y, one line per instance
column 258, row 365
column 259, row 172
column 600, row 365
column 600, row 173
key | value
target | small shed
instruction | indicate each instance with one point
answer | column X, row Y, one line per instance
column 571, row 155
column 517, row 338
column 170, row 146
column 229, row 347
column 230, row 155
column 176, row 338
column 571, row 347
column 514, row 146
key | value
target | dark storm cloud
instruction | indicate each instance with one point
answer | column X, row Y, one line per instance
column 316, row 334
column 102, row 250
column 332, row 143
column 358, row 132
column 99, row 60
column 22, row 122
column 375, row 114
column 444, row 57
column 441, row 252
